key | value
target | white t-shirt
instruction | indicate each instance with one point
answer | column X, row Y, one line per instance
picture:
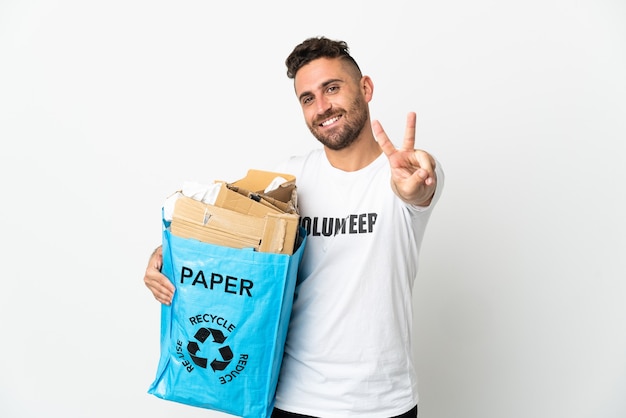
column 348, row 349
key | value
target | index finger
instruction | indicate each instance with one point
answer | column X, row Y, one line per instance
column 383, row 140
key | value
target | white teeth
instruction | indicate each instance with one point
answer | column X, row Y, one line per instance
column 330, row 121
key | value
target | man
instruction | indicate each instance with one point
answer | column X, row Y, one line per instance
column 365, row 206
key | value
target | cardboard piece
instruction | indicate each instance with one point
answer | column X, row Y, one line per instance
column 247, row 195
column 243, row 216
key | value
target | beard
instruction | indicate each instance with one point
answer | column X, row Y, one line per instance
column 353, row 123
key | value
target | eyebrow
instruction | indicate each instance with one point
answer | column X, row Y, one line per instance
column 322, row 86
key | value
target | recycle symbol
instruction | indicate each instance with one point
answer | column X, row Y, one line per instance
column 218, row 337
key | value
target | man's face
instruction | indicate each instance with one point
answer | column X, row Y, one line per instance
column 333, row 104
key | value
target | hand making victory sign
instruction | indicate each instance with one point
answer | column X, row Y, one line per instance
column 413, row 176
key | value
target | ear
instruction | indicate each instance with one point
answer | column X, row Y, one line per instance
column 367, row 88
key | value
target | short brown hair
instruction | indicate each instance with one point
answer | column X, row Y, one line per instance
column 314, row 48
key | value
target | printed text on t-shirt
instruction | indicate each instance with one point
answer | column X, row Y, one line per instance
column 362, row 223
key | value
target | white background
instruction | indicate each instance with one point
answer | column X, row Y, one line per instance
column 108, row 107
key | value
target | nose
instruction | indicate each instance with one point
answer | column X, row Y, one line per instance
column 323, row 105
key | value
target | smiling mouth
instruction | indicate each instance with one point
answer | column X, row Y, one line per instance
column 330, row 121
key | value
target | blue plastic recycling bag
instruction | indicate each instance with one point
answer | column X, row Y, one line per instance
column 223, row 336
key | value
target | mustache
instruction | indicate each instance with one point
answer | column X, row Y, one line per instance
column 327, row 115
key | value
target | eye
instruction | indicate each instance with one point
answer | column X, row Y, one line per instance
column 332, row 89
column 306, row 100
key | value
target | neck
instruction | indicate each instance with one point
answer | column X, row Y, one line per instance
column 358, row 155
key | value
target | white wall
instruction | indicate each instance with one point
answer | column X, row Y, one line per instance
column 107, row 107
